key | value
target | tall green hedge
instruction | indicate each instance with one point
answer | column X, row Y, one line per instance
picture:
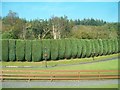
column 67, row 48
column 79, row 48
column 28, row 50
column 46, row 48
column 96, row 44
column 100, row 47
column 84, row 48
column 116, row 45
column 0, row 50
column 109, row 46
column 36, row 50
column 20, row 50
column 113, row 45
column 12, row 49
column 5, row 54
column 93, row 48
column 74, row 48
column 88, row 48
column 105, row 47
column 61, row 49
column 54, row 49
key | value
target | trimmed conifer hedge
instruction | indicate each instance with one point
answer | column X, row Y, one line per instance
column 46, row 49
column 79, row 48
column 5, row 52
column 61, row 49
column 109, row 46
column 88, row 48
column 100, row 47
column 67, row 48
column 36, row 50
column 54, row 49
column 12, row 49
column 0, row 50
column 28, row 50
column 20, row 50
column 105, row 50
column 73, row 48
column 84, row 48
column 96, row 45
column 116, row 45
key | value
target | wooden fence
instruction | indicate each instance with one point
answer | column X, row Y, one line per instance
column 59, row 74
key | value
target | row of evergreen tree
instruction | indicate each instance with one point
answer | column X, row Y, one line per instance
column 38, row 50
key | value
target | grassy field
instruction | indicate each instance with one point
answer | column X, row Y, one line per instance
column 105, row 65
column 59, row 62
column 93, row 86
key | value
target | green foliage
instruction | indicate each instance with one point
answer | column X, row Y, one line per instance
column 96, row 44
column 93, row 48
column 67, row 48
column 28, row 50
column 100, row 47
column 46, row 48
column 84, row 48
column 105, row 47
column 88, row 48
column 109, row 46
column 79, row 48
column 0, row 50
column 116, row 45
column 36, row 50
column 20, row 50
column 12, row 49
column 5, row 53
column 74, row 48
column 54, row 49
column 61, row 49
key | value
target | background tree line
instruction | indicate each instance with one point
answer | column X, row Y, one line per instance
column 14, row 27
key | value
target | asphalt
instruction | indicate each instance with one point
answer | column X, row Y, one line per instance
column 32, row 84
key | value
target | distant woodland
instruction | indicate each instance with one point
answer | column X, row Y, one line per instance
column 14, row 27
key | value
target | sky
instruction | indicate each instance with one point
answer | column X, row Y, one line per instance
column 107, row 11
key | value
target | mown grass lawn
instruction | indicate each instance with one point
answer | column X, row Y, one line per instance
column 59, row 62
column 92, row 86
column 105, row 65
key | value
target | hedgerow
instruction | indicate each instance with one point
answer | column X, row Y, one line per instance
column 49, row 49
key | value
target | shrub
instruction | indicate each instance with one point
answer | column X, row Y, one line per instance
column 96, row 44
column 88, row 48
column 20, row 50
column 5, row 53
column 105, row 50
column 46, row 48
column 100, row 47
column 28, row 50
column 93, row 48
column 73, row 48
column 36, row 50
column 54, row 49
column 116, row 45
column 0, row 49
column 61, row 49
column 83, row 48
column 67, row 49
column 113, row 45
column 79, row 48
column 12, row 47
column 109, row 46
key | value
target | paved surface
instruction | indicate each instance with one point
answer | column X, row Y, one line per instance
column 31, row 84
